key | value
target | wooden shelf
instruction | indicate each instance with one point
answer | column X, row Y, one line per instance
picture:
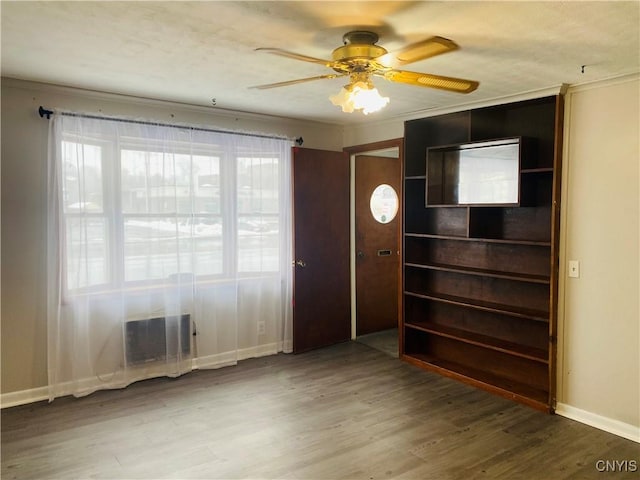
column 536, row 315
column 523, row 351
column 526, row 222
column 477, row 239
column 480, row 281
column 520, row 277
column 537, row 170
column 504, row 387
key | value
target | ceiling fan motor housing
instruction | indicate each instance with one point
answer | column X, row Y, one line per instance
column 357, row 52
column 358, row 44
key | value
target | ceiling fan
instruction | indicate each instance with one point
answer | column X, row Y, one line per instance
column 360, row 59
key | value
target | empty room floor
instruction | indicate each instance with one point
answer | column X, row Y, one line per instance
column 348, row 411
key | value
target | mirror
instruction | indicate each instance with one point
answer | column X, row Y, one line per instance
column 481, row 173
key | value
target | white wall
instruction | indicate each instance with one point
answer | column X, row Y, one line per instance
column 24, row 141
column 372, row 132
column 599, row 316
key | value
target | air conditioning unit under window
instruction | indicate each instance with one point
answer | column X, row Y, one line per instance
column 157, row 339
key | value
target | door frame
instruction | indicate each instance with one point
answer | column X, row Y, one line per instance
column 370, row 148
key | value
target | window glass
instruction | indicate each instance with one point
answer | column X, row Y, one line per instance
column 155, row 182
column 86, row 252
column 206, row 175
column 82, row 177
column 258, row 224
column 384, row 203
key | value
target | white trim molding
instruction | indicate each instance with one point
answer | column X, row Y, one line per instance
column 22, row 397
column 616, row 427
column 232, row 358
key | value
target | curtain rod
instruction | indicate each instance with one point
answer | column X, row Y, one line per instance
column 43, row 112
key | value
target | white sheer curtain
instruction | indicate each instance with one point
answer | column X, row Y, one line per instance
column 169, row 249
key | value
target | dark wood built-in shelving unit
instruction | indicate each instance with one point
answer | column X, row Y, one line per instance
column 480, row 281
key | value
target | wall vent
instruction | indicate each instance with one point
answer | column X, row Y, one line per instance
column 157, row 339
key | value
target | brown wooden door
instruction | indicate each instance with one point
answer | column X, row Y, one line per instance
column 322, row 297
column 377, row 247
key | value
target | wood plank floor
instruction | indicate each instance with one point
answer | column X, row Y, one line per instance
column 386, row 341
column 344, row 412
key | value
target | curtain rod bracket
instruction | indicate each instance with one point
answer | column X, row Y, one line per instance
column 42, row 111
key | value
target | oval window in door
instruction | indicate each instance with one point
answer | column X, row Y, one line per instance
column 384, row 203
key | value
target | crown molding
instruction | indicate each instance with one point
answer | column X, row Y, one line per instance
column 607, row 82
column 50, row 88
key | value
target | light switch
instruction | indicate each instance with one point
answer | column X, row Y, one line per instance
column 574, row 268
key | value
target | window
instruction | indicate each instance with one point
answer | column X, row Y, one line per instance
column 151, row 222
column 138, row 215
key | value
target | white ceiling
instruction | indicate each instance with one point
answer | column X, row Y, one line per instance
column 192, row 52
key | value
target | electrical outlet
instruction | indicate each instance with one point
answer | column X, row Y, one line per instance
column 574, row 268
column 261, row 328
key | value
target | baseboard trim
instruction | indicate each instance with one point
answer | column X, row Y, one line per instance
column 23, row 397
column 625, row 430
column 260, row 351
column 226, row 359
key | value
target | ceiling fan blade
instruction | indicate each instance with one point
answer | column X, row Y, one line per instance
column 451, row 84
column 295, row 56
column 419, row 51
column 300, row 80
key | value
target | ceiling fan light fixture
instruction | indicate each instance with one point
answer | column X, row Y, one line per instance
column 360, row 58
column 359, row 95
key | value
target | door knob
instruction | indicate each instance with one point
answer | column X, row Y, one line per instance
column 300, row 263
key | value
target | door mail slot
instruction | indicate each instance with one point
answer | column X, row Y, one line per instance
column 384, row 253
